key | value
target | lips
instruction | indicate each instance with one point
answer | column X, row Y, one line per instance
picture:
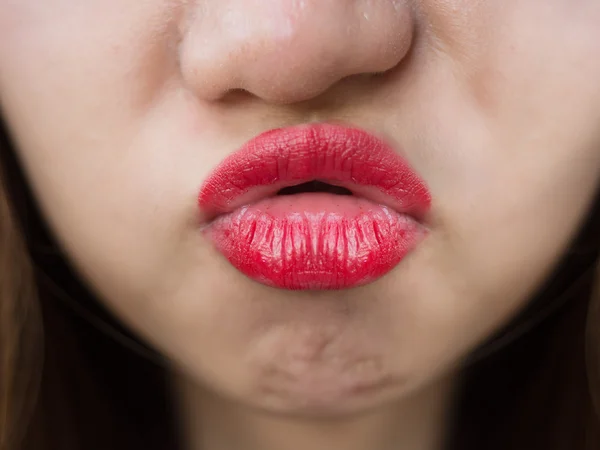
column 314, row 207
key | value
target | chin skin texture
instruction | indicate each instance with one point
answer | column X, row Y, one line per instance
column 121, row 109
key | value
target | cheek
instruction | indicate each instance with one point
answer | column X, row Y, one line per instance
column 80, row 82
column 483, row 261
column 509, row 198
column 512, row 148
column 76, row 64
column 513, row 127
column 101, row 131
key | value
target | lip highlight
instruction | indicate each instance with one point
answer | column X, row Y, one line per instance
column 313, row 238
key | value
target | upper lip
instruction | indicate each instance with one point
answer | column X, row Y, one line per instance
column 342, row 156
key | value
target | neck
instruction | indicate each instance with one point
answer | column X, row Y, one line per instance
column 415, row 423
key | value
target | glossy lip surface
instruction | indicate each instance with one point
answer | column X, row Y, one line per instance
column 314, row 240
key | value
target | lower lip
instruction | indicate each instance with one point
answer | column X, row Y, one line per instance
column 315, row 241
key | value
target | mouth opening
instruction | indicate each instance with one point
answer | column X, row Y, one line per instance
column 314, row 186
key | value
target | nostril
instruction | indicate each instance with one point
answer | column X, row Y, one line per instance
column 314, row 186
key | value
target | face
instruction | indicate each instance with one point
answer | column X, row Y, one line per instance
column 125, row 111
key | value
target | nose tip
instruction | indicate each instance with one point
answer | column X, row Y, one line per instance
column 286, row 51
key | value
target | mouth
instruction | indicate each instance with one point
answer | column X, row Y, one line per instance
column 314, row 207
column 314, row 187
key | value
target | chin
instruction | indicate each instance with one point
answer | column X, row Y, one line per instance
column 325, row 388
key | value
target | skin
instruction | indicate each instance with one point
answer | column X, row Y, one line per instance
column 120, row 109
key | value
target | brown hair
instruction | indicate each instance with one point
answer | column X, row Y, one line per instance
column 528, row 388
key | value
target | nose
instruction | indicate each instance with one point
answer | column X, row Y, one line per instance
column 286, row 51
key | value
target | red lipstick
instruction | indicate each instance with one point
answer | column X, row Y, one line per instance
column 317, row 206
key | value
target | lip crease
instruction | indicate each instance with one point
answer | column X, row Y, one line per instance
column 314, row 240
